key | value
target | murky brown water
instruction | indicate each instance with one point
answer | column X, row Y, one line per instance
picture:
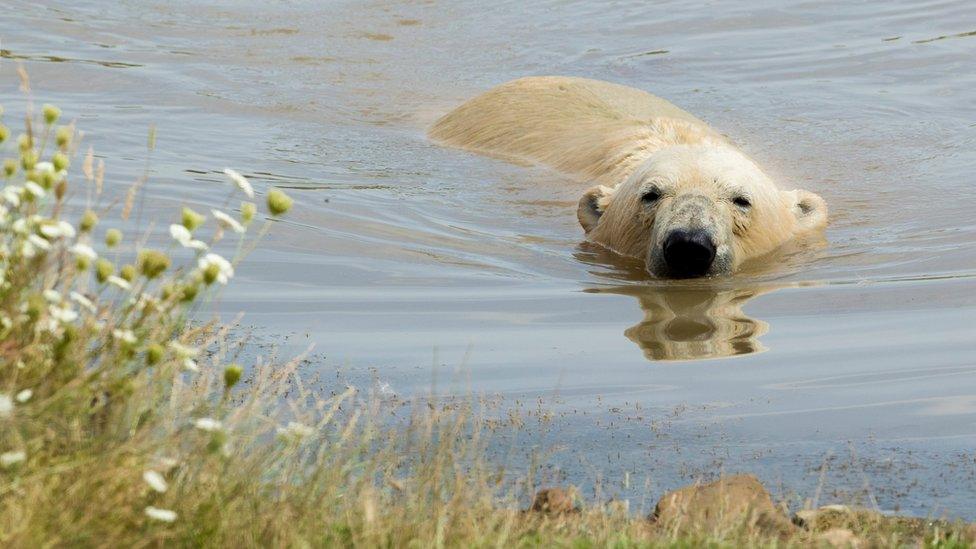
column 400, row 254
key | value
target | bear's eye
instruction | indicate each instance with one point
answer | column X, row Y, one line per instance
column 651, row 195
column 741, row 202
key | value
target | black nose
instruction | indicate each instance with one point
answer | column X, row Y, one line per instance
column 688, row 253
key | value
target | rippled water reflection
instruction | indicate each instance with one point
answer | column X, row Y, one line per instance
column 403, row 258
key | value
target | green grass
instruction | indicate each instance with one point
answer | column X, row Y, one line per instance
column 124, row 422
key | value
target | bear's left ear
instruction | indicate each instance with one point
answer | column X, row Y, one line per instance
column 592, row 205
column 809, row 209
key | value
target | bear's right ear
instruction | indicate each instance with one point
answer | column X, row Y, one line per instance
column 592, row 205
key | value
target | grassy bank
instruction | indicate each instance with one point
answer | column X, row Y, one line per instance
column 124, row 420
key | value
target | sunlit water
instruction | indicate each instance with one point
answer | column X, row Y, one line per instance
column 851, row 367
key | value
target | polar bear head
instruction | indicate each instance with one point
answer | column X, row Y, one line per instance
column 692, row 210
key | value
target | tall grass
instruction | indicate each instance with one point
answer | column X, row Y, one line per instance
column 123, row 421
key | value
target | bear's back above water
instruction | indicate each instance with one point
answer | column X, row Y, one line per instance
column 670, row 189
column 571, row 124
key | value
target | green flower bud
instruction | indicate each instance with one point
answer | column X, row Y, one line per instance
column 35, row 306
column 248, row 210
column 61, row 189
column 51, row 114
column 4, row 133
column 24, row 142
column 154, row 354
column 191, row 219
column 232, row 374
column 113, row 237
column 278, row 202
column 82, row 263
column 210, row 274
column 88, row 221
column 190, row 292
column 28, row 159
column 63, row 346
column 63, row 137
column 60, row 161
column 217, row 441
column 152, row 263
column 127, row 273
column 128, row 351
column 103, row 269
column 45, row 179
column 9, row 167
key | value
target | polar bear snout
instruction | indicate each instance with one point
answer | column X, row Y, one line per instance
column 688, row 253
column 691, row 237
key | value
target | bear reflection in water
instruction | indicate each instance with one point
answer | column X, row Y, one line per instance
column 683, row 320
column 693, row 323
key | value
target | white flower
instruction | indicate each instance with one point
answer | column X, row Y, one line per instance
column 11, row 458
column 164, row 515
column 39, row 242
column 24, row 396
column 120, row 282
column 34, row 189
column 180, row 233
column 225, row 269
column 208, row 424
column 183, row 235
column 155, row 481
column 6, row 405
column 227, row 221
column 84, row 250
column 52, row 296
column 11, row 195
column 28, row 250
column 241, row 182
column 57, row 230
column 63, row 314
column 49, row 167
column 125, row 335
column 296, row 430
column 83, row 301
column 49, row 324
column 182, row 350
column 191, row 365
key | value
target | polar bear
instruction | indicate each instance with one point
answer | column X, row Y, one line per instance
column 669, row 189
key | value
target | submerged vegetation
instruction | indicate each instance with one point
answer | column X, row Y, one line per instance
column 125, row 420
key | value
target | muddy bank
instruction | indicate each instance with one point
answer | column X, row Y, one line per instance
column 741, row 504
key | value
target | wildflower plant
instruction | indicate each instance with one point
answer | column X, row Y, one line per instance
column 97, row 341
